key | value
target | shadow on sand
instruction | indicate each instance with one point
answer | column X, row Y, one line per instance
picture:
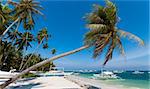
column 28, row 86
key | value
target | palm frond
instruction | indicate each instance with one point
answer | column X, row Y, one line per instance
column 130, row 36
column 119, row 43
column 99, row 46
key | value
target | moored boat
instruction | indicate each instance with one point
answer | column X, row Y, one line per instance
column 106, row 75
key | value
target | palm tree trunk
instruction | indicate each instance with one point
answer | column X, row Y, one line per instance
column 14, row 78
column 22, row 60
column 9, row 27
column 24, row 55
column 31, row 56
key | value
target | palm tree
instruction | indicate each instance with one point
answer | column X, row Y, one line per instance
column 102, row 23
column 24, row 12
column 35, row 59
column 2, row 14
column 53, row 51
column 24, row 41
column 42, row 35
column 4, row 17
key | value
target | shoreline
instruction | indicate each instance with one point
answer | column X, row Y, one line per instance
column 97, row 83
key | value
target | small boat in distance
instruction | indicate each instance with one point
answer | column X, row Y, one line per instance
column 137, row 72
column 117, row 71
column 106, row 75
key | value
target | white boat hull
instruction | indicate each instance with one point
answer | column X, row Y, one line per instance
column 106, row 75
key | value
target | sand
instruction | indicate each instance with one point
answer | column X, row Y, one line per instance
column 69, row 82
column 46, row 83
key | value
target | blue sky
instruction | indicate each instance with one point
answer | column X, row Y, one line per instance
column 64, row 20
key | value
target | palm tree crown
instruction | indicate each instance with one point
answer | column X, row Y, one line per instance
column 4, row 17
column 43, row 35
column 25, row 10
column 24, row 40
column 103, row 32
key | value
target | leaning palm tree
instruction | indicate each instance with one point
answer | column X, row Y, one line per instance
column 103, row 33
column 42, row 35
column 24, row 12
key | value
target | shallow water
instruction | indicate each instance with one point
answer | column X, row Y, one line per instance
column 128, row 79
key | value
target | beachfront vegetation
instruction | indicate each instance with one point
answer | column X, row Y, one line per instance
column 102, row 35
column 41, row 36
column 36, row 58
column 16, row 36
column 9, row 56
column 17, row 20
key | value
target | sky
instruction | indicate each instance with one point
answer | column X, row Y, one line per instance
column 64, row 20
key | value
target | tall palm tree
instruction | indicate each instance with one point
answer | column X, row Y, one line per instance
column 103, row 31
column 23, row 13
column 24, row 42
column 42, row 35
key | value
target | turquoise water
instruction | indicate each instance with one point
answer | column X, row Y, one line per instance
column 128, row 79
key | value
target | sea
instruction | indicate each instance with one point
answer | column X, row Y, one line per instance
column 128, row 79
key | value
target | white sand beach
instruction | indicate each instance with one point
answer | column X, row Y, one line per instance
column 46, row 83
column 68, row 82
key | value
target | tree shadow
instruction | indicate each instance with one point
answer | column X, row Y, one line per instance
column 28, row 86
column 26, row 79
